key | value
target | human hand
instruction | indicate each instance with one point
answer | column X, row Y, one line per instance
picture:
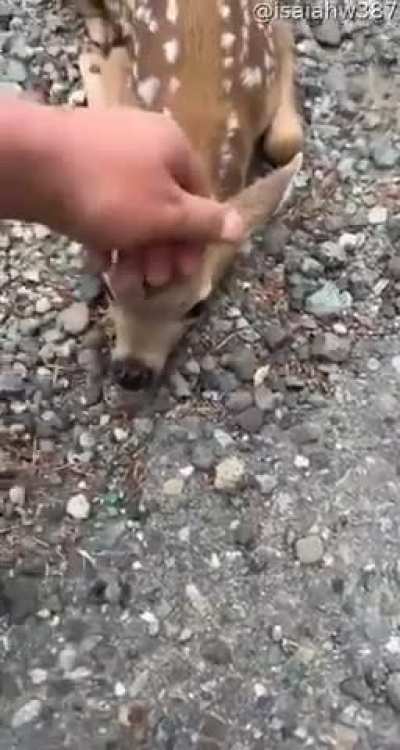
column 130, row 181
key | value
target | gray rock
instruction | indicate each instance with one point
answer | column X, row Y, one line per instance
column 327, row 33
column 327, row 347
column 18, row 598
column 11, row 386
column 203, row 456
column 213, row 727
column 250, row 420
column 383, row 154
column 75, row 318
column 15, row 71
column 309, row 550
column 243, row 363
column 216, row 651
column 275, row 336
column 309, row 432
column 89, row 288
column 393, row 691
column 327, row 301
column 266, row 483
column 239, row 401
column 394, row 267
column 244, row 534
column 332, row 255
column 264, row 398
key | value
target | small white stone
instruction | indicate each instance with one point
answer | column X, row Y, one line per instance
column 120, row 435
column 119, row 690
column 260, row 690
column 27, row 713
column 38, row 676
column 42, row 306
column 301, row 462
column 152, row 622
column 78, row 507
column 75, row 319
column 17, row 495
column 378, row 215
column 173, row 487
column 67, row 659
column 229, row 474
column 197, row 600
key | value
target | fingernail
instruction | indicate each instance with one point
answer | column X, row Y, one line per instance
column 233, row 227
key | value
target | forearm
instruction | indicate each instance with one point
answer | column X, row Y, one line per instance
column 29, row 169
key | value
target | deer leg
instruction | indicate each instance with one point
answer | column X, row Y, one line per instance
column 283, row 137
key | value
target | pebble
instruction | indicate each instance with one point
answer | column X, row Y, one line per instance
column 266, row 483
column 328, row 300
column 243, row 364
column 27, row 713
column 17, row 495
column 38, row 676
column 203, row 457
column 309, row 550
column 264, row 398
column 152, row 622
column 75, row 318
column 239, row 401
column 378, row 215
column 250, row 420
column 42, row 306
column 383, row 154
column 275, row 336
column 394, row 267
column 328, row 32
column 173, row 487
column 216, row 651
column 120, row 435
column 328, row 347
column 302, row 462
column 229, row 474
column 197, row 600
column 78, row 507
column 393, row 691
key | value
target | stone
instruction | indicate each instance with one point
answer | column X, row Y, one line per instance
column 173, row 487
column 327, row 347
column 12, row 386
column 243, row 363
column 17, row 495
column 309, row 550
column 15, row 71
column 213, row 727
column 89, row 288
column 216, row 651
column 266, row 483
column 239, row 401
column 27, row 713
column 394, row 267
column 75, row 318
column 327, row 33
column 229, row 474
column 393, row 691
column 327, row 301
column 250, row 420
column 378, row 215
column 78, row 507
column 264, row 398
column 18, row 598
column 332, row 255
column 203, row 457
column 383, row 155
column 275, row 336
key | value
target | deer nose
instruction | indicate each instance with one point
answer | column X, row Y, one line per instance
column 132, row 376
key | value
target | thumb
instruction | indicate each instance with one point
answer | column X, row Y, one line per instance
column 206, row 220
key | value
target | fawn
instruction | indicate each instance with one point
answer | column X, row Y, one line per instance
column 229, row 83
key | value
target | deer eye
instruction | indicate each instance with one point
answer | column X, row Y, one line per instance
column 196, row 310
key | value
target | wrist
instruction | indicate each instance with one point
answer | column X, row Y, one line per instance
column 30, row 149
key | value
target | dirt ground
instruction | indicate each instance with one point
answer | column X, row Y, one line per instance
column 217, row 567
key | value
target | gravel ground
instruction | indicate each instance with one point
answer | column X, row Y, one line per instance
column 216, row 565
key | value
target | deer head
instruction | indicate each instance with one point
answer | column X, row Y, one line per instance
column 228, row 81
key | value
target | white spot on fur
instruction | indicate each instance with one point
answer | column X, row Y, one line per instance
column 172, row 11
column 224, row 10
column 227, row 40
column 148, row 90
column 233, row 122
column 268, row 62
column 171, row 50
column 251, row 77
column 174, row 84
column 227, row 85
column 228, row 62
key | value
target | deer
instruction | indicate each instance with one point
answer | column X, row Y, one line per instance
column 229, row 82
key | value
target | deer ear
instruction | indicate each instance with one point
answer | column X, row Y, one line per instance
column 259, row 202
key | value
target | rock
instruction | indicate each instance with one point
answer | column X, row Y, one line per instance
column 378, row 215
column 309, row 550
column 264, row 399
column 309, row 432
column 173, row 487
column 327, row 347
column 152, row 622
column 75, row 318
column 243, row 363
column 15, row 71
column 393, row 228
column 244, row 534
column 383, row 155
column 266, row 483
column 179, row 386
column 393, row 691
column 332, row 255
column 78, row 507
column 89, row 288
column 42, row 306
column 11, row 386
column 327, row 33
column 239, row 401
column 346, row 738
column 216, row 651
column 27, row 713
column 327, row 301
column 17, row 495
column 229, row 474
column 250, row 420
column 394, row 267
column 197, row 600
column 213, row 727
column 275, row 336
column 18, row 598
column 203, row 457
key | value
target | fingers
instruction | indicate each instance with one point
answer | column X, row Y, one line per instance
column 204, row 220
